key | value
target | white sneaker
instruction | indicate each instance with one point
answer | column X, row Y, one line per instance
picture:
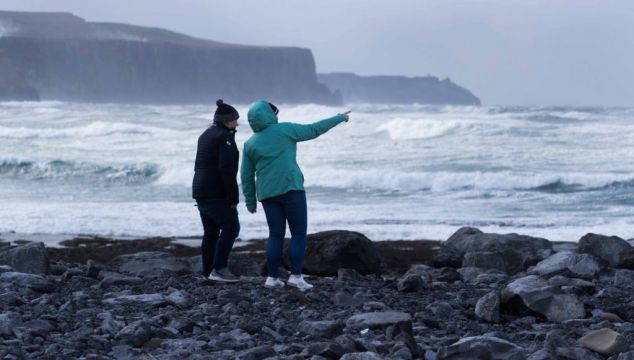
column 298, row 282
column 273, row 283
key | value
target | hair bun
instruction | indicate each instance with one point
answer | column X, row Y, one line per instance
column 219, row 102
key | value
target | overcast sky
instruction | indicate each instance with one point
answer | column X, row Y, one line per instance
column 551, row 52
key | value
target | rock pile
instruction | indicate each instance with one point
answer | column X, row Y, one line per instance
column 571, row 304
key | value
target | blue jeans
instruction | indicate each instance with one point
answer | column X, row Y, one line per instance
column 289, row 207
column 221, row 226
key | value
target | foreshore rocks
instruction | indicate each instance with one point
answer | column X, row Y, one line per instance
column 558, row 302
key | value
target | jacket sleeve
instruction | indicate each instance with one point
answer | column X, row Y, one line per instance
column 247, row 175
column 228, row 166
column 300, row 132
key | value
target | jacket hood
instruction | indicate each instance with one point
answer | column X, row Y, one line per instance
column 261, row 116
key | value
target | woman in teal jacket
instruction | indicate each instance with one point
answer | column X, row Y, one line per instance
column 270, row 173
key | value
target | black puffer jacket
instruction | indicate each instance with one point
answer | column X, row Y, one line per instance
column 216, row 165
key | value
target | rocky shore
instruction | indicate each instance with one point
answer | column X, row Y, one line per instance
column 474, row 296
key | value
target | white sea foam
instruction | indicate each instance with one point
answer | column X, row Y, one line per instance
column 94, row 129
column 406, row 129
column 7, row 28
column 127, row 169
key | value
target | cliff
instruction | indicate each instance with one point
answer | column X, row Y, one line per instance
column 58, row 56
column 397, row 89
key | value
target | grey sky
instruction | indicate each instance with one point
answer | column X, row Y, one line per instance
column 567, row 52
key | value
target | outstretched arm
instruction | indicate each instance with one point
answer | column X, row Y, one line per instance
column 247, row 175
column 300, row 132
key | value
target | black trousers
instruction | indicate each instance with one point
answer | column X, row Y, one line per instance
column 221, row 226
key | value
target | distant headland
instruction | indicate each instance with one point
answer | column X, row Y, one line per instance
column 59, row 56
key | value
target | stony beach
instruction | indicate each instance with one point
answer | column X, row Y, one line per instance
column 474, row 296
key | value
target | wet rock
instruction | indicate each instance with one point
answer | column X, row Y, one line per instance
column 183, row 344
column 40, row 327
column 257, row 353
column 577, row 286
column 324, row 328
column 488, row 307
column 609, row 249
column 533, row 293
column 372, row 320
column 345, row 300
column 576, row 353
column 626, row 356
column 109, row 278
column 8, row 322
column 569, row 263
column 329, row 251
column 31, row 281
column 10, row 298
column 150, row 264
column 482, row 276
column 411, row 283
column 347, row 275
column 481, row 347
column 136, row 333
column 237, row 336
column 440, row 309
column 605, row 341
column 402, row 333
column 367, row 355
column 508, row 261
column 446, row 274
column 175, row 298
column 624, row 278
column 325, row 349
column 471, row 240
column 29, row 258
column 93, row 268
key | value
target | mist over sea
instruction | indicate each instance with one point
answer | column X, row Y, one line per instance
column 392, row 172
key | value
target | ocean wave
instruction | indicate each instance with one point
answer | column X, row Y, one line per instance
column 456, row 181
column 94, row 129
column 61, row 170
column 409, row 129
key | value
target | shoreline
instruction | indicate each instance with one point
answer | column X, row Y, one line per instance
column 398, row 255
column 498, row 296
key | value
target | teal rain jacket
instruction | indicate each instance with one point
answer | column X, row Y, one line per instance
column 269, row 164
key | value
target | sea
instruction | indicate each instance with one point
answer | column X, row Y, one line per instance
column 392, row 172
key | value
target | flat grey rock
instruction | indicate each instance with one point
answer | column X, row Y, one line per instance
column 376, row 319
column 539, row 296
column 481, row 347
column 150, row 264
column 323, row 328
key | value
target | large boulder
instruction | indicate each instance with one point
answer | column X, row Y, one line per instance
column 29, row 258
column 612, row 250
column 150, row 264
column 508, row 252
column 481, row 347
column 568, row 263
column 506, row 260
column 533, row 294
column 329, row 251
